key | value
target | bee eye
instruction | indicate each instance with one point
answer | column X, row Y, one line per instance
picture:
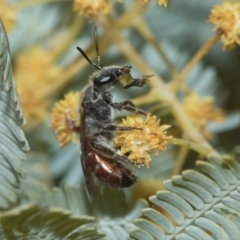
column 104, row 78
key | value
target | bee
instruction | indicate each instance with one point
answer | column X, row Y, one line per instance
column 99, row 157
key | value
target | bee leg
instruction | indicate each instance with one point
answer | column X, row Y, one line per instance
column 138, row 82
column 128, row 107
column 128, row 103
column 111, row 127
column 107, row 152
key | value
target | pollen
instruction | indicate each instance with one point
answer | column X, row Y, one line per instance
column 138, row 144
column 92, row 8
column 34, row 72
column 66, row 118
column 226, row 18
column 201, row 111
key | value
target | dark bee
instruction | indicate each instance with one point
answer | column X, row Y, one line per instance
column 98, row 155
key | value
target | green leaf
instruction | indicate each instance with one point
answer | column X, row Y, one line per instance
column 13, row 145
column 199, row 205
column 38, row 174
column 69, row 198
column 49, row 223
column 112, row 214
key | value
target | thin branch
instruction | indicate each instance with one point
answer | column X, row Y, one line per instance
column 202, row 150
column 181, row 156
column 143, row 28
column 179, row 78
column 148, row 98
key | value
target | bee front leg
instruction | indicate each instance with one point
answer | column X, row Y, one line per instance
column 128, row 106
column 138, row 82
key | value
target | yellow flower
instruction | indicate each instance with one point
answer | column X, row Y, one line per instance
column 66, row 118
column 138, row 144
column 226, row 18
column 201, row 111
column 92, row 8
column 7, row 14
column 34, row 73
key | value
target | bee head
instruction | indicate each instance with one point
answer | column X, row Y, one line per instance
column 107, row 75
column 110, row 75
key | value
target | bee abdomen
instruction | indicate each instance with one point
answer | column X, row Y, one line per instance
column 110, row 172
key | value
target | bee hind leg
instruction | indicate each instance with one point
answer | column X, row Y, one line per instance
column 111, row 127
column 106, row 152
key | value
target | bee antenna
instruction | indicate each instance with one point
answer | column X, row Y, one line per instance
column 96, row 45
column 86, row 57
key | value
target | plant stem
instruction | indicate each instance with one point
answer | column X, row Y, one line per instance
column 181, row 156
column 202, row 150
column 162, row 107
column 126, row 19
column 148, row 98
column 143, row 28
column 180, row 77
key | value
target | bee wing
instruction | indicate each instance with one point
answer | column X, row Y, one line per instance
column 92, row 188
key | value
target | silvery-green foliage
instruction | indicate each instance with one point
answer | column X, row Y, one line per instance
column 202, row 204
column 66, row 163
column 44, row 223
column 112, row 214
column 68, row 198
column 37, row 174
column 13, row 145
